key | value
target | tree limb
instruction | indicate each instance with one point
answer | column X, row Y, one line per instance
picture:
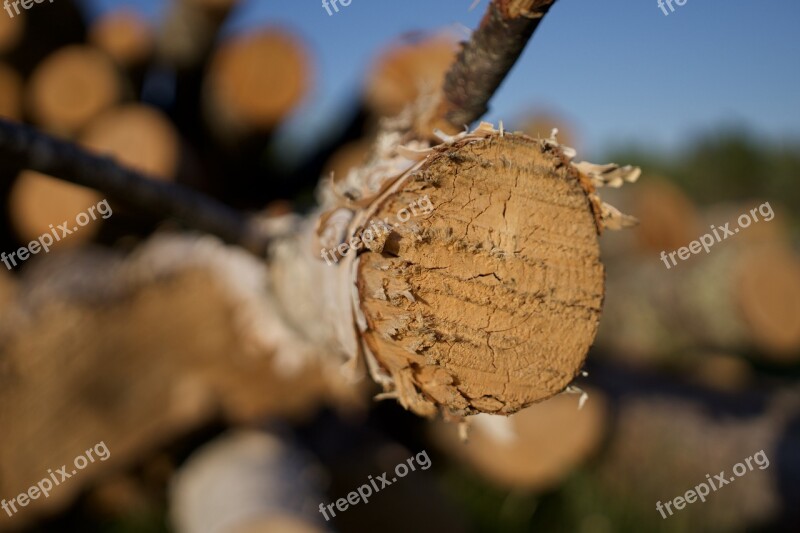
column 26, row 147
column 486, row 59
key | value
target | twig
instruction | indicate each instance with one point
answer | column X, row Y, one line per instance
column 486, row 59
column 26, row 147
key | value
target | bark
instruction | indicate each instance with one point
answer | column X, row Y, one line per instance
column 486, row 59
column 30, row 149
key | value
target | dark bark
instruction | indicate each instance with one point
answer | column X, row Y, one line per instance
column 28, row 148
column 486, row 59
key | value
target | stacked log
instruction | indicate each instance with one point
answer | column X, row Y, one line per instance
column 663, row 446
column 352, row 155
column 139, row 137
column 248, row 482
column 540, row 125
column 39, row 203
column 535, row 449
column 736, row 299
column 406, row 70
column 124, row 35
column 11, row 30
column 241, row 96
column 71, row 87
column 11, row 87
column 189, row 30
column 185, row 335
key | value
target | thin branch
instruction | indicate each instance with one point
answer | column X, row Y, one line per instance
column 26, row 147
column 485, row 60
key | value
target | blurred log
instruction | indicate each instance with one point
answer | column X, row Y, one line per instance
column 354, row 449
column 8, row 291
column 242, row 95
column 138, row 136
column 188, row 31
column 535, row 449
column 72, row 86
column 723, row 372
column 412, row 68
column 736, row 298
column 137, row 352
column 10, row 93
column 540, row 125
column 665, row 444
column 351, row 155
column 11, row 30
column 775, row 230
column 38, row 201
column 45, row 29
column 248, row 482
column 668, row 219
column 124, row 35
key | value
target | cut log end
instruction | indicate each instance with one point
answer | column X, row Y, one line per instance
column 489, row 302
column 10, row 93
column 11, row 30
column 72, row 86
column 137, row 135
column 39, row 203
column 535, row 449
column 769, row 300
column 124, row 36
column 406, row 71
column 243, row 95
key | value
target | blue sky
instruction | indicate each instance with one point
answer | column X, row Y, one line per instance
column 619, row 70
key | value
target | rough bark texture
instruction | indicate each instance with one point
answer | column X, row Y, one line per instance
column 490, row 303
column 484, row 61
column 26, row 147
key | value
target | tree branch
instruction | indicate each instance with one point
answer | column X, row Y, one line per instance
column 486, row 59
column 26, row 147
